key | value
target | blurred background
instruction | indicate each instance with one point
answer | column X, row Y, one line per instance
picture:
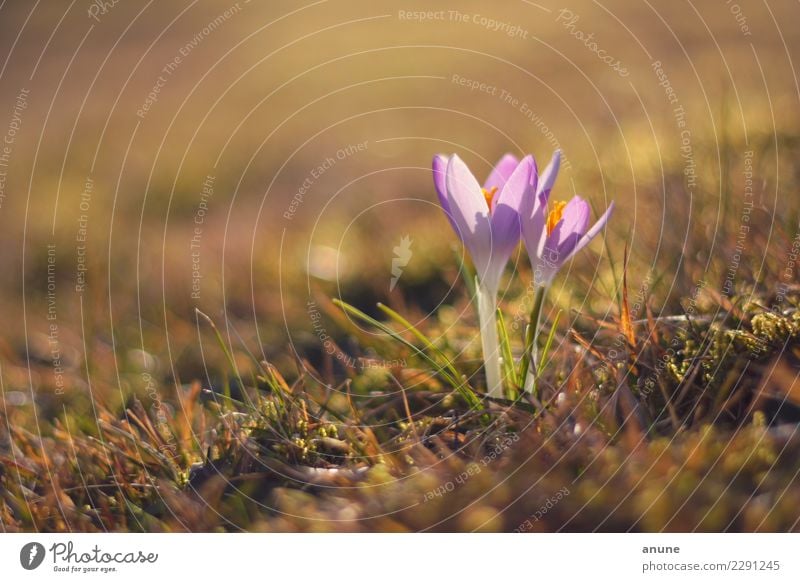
column 245, row 158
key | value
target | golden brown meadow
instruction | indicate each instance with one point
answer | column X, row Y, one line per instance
column 277, row 164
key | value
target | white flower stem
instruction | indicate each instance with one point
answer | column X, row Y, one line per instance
column 487, row 316
column 533, row 341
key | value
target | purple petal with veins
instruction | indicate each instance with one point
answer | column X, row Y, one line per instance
column 574, row 220
column 440, row 182
column 595, row 230
column 469, row 212
column 501, row 172
column 548, row 177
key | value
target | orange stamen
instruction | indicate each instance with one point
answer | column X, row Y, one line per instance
column 489, row 195
column 555, row 216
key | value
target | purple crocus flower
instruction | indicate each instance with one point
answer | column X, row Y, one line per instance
column 553, row 236
column 553, row 233
column 488, row 221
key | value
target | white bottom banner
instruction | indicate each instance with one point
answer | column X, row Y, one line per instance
column 401, row 557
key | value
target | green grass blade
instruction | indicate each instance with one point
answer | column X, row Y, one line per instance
column 508, row 358
column 549, row 342
column 461, row 387
column 531, row 335
column 226, row 351
column 466, row 274
column 420, row 336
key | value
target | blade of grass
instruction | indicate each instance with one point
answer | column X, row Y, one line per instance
column 393, row 334
column 508, row 358
column 226, row 351
column 531, row 336
column 549, row 342
column 466, row 274
column 461, row 387
column 420, row 336
column 610, row 256
column 626, row 326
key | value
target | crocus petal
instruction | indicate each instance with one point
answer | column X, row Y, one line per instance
column 546, row 262
column 560, row 244
column 469, row 212
column 542, row 185
column 548, row 177
column 534, row 231
column 595, row 230
column 506, row 223
column 534, row 212
column 574, row 222
column 501, row 172
column 506, row 216
column 464, row 196
column 440, row 182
